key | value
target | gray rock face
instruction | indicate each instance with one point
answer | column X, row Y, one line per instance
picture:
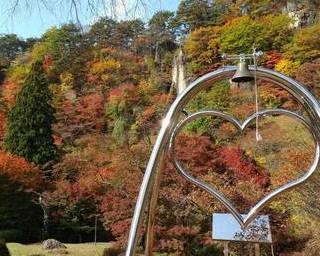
column 51, row 244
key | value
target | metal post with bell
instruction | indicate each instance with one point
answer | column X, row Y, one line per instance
column 172, row 124
column 242, row 74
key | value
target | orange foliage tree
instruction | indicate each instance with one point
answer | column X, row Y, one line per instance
column 17, row 179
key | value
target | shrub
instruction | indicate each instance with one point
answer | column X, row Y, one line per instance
column 11, row 235
column 17, row 178
column 210, row 251
column 216, row 97
column 242, row 166
column 4, row 249
column 287, row 66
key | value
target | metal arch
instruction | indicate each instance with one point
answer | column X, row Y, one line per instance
column 161, row 145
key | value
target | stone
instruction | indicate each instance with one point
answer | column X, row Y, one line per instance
column 51, row 244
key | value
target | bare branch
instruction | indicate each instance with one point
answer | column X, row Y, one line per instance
column 75, row 7
column 15, row 6
column 94, row 7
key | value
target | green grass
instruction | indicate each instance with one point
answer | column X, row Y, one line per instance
column 85, row 249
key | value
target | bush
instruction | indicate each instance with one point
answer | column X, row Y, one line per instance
column 216, row 97
column 20, row 217
column 287, row 66
column 11, row 235
column 4, row 249
column 210, row 251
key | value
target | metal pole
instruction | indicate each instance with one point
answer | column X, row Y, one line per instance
column 251, row 250
column 158, row 149
column 226, row 248
column 95, row 230
column 152, row 212
column 257, row 249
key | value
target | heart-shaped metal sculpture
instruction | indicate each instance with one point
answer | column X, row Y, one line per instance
column 151, row 181
column 243, row 221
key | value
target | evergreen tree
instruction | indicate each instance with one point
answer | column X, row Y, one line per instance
column 193, row 14
column 29, row 132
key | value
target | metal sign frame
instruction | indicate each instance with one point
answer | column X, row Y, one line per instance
column 170, row 126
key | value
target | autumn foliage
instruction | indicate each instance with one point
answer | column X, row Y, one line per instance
column 21, row 171
column 111, row 87
column 242, row 166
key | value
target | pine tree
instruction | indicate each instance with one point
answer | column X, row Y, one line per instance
column 29, row 132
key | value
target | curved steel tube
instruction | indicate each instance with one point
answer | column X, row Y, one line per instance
column 293, row 87
column 242, row 126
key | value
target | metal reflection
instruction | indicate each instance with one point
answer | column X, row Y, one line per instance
column 301, row 94
column 226, row 228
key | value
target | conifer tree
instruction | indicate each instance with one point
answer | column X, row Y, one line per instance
column 29, row 132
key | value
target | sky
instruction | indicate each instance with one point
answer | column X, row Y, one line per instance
column 32, row 21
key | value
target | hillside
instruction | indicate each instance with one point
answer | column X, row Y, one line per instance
column 80, row 112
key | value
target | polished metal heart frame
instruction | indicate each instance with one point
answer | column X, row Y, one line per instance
column 170, row 125
column 242, row 126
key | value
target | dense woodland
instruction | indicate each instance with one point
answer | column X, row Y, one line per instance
column 80, row 109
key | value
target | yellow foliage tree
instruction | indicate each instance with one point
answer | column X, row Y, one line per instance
column 287, row 67
column 305, row 45
column 202, row 47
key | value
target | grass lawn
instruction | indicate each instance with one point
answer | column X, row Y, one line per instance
column 85, row 249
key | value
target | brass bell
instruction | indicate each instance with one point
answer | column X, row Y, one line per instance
column 242, row 74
